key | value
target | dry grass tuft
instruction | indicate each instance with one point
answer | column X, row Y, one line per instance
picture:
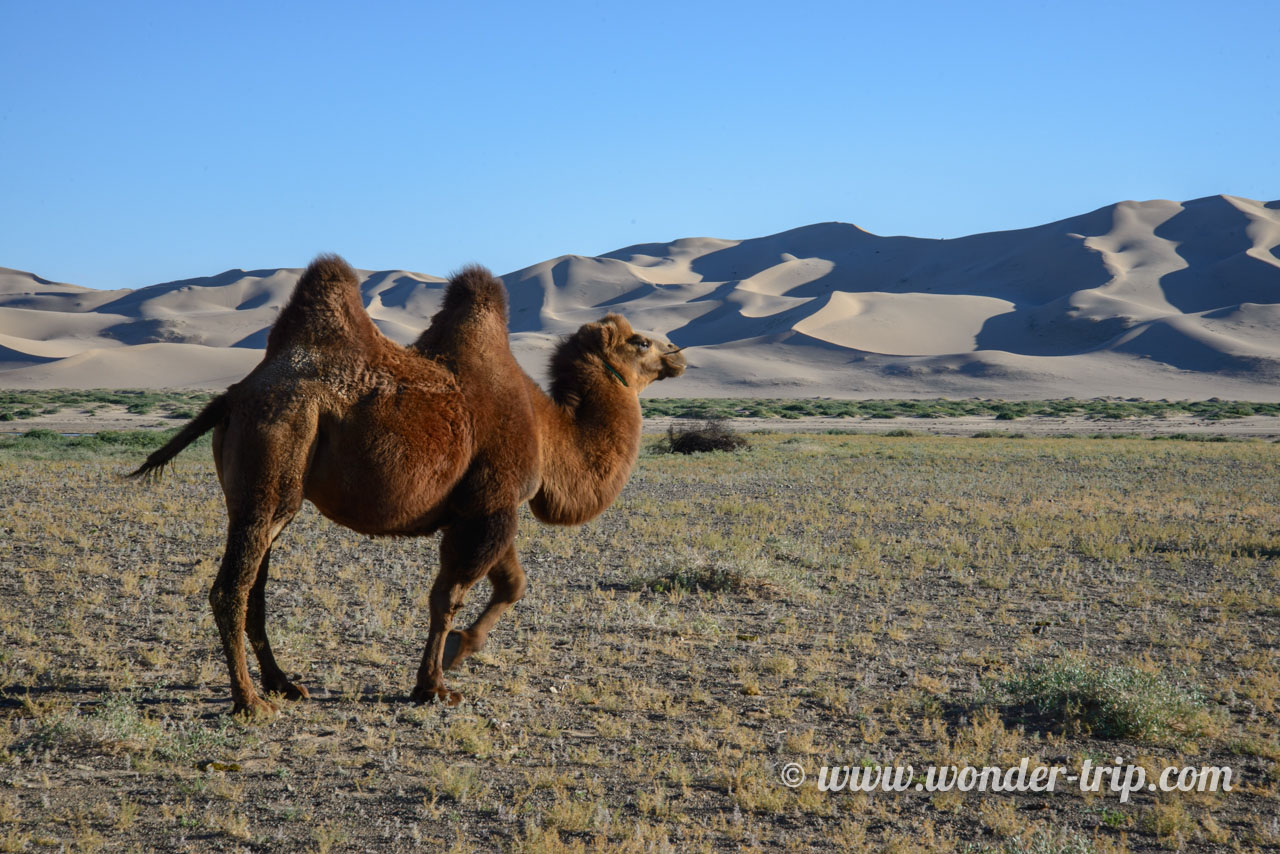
column 711, row 435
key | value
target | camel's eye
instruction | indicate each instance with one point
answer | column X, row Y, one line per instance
column 638, row 341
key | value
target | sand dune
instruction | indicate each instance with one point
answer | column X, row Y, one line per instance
column 140, row 366
column 1153, row 299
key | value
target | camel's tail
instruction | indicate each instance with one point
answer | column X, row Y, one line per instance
column 325, row 310
column 209, row 417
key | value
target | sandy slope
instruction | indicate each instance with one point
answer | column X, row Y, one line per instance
column 1152, row 299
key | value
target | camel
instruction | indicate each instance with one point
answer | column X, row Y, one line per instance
column 448, row 434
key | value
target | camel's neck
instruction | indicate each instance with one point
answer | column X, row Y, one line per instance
column 590, row 437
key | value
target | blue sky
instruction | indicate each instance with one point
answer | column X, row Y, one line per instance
column 144, row 142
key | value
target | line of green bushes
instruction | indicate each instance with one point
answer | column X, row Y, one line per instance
column 1003, row 410
column 17, row 405
column 42, row 443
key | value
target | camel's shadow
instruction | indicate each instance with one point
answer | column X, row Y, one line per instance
column 92, row 698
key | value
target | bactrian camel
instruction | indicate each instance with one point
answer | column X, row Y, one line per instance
column 448, row 434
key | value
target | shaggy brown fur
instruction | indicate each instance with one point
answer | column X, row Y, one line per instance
column 449, row 434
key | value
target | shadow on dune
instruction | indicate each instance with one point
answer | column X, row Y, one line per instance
column 752, row 257
column 131, row 303
column 1051, row 329
column 11, row 358
column 526, row 297
column 1177, row 343
column 402, row 291
column 155, row 330
column 1037, row 269
column 1212, row 239
column 1044, row 320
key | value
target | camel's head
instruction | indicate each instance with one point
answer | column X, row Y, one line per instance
column 630, row 357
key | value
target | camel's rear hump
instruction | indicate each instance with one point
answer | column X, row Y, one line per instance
column 324, row 311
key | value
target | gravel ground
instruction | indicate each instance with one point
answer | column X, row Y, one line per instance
column 817, row 599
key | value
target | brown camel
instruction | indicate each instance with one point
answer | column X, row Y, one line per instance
column 448, row 434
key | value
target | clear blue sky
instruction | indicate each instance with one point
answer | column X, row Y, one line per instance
column 143, row 142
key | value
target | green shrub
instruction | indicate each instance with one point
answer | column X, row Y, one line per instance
column 701, row 579
column 1108, row 700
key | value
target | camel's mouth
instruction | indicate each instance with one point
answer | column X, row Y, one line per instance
column 673, row 364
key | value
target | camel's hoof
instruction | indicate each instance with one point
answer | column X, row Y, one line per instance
column 255, row 711
column 288, row 690
column 431, row 695
column 457, row 646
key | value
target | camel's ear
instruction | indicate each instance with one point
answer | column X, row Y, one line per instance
column 604, row 335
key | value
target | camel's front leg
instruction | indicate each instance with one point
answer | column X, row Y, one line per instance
column 469, row 548
column 507, row 578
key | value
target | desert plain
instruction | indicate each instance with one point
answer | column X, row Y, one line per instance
column 820, row 598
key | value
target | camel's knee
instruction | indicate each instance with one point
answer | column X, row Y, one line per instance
column 446, row 599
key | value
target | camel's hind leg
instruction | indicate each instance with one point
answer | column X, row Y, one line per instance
column 261, row 474
column 274, row 679
column 247, row 546
column 508, row 580
column 469, row 548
